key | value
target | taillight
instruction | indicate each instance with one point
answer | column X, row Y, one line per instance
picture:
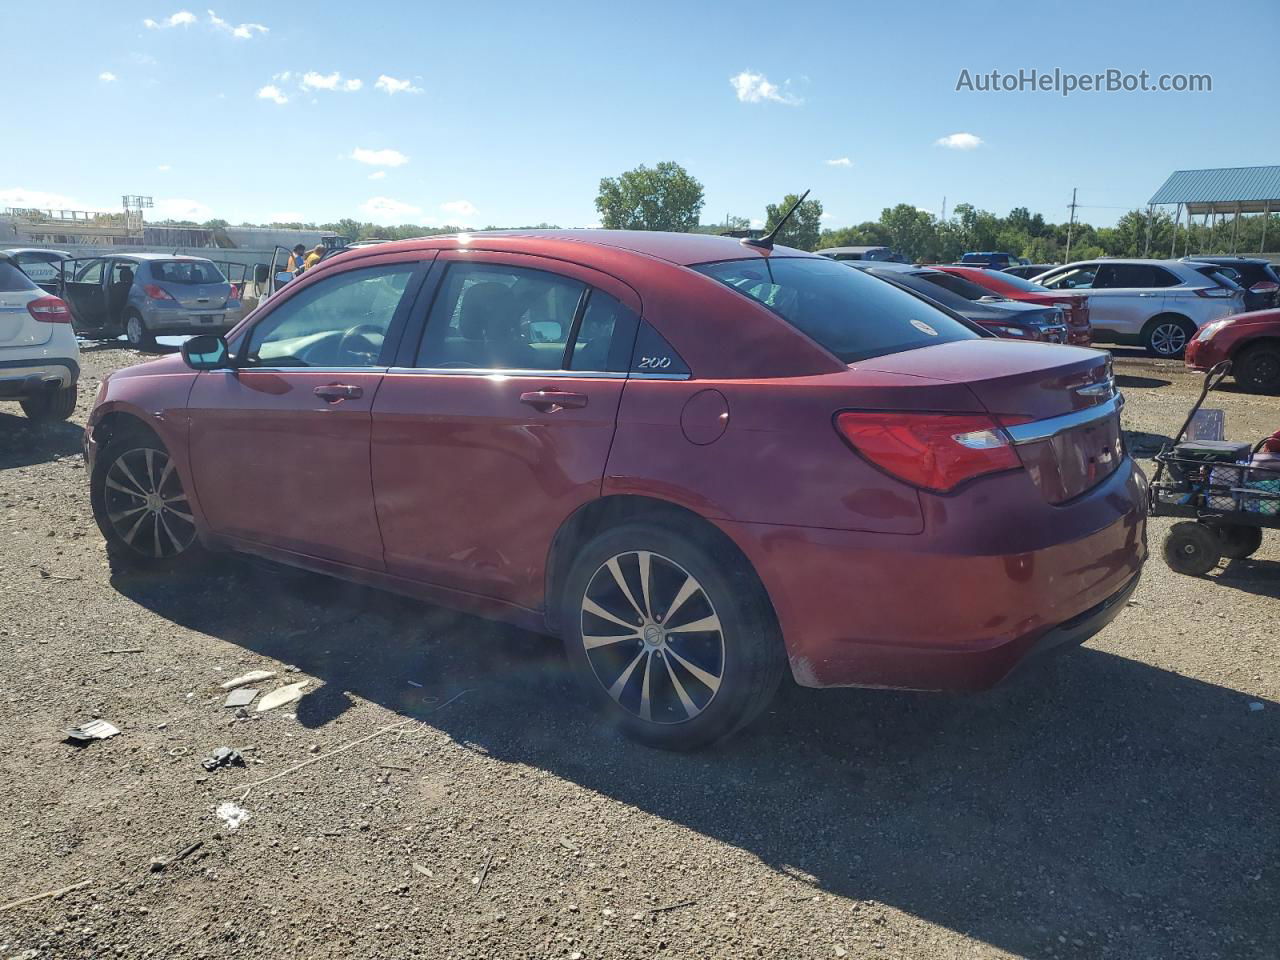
column 49, row 310
column 1214, row 293
column 235, row 292
column 933, row 451
column 155, row 292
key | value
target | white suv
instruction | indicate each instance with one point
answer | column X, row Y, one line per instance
column 39, row 356
column 1157, row 304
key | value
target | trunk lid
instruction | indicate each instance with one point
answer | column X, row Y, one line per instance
column 1058, row 403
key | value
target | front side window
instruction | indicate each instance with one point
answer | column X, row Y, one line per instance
column 851, row 314
column 494, row 317
column 340, row 321
column 960, row 286
column 89, row 272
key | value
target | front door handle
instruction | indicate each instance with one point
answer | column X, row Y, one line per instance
column 549, row 401
column 333, row 392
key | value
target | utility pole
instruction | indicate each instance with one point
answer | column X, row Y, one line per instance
column 1071, row 223
column 944, row 208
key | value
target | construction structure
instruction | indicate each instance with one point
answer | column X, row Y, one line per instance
column 1221, row 192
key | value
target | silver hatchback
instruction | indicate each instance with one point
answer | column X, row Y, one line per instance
column 145, row 295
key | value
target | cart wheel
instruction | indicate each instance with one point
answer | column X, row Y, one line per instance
column 1238, row 541
column 1192, row 548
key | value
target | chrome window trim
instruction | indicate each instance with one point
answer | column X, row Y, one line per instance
column 296, row 369
column 464, row 372
column 1048, row 429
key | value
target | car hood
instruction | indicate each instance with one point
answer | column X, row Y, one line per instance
column 173, row 363
column 1257, row 316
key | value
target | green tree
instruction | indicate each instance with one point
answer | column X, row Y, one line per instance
column 804, row 228
column 663, row 198
column 911, row 232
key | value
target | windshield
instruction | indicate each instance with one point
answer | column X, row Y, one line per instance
column 189, row 272
column 959, row 286
column 853, row 315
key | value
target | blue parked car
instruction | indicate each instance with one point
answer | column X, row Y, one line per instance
column 992, row 261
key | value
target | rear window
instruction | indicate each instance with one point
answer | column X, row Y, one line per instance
column 13, row 280
column 853, row 315
column 187, row 272
column 958, row 285
column 1018, row 282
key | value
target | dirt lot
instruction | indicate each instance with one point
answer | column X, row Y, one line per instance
column 1119, row 801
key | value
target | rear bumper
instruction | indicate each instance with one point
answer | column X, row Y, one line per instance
column 22, row 378
column 997, row 574
column 184, row 320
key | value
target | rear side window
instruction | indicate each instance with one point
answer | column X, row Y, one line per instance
column 654, row 356
column 186, row 272
column 605, row 335
column 958, row 285
column 853, row 315
column 13, row 280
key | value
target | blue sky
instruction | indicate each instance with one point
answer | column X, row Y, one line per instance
column 509, row 113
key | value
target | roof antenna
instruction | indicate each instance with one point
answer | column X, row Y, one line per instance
column 766, row 242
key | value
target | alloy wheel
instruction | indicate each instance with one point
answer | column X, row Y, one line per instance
column 135, row 331
column 653, row 637
column 146, row 505
column 1168, row 339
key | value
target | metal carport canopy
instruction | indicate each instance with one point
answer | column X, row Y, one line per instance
column 1226, row 190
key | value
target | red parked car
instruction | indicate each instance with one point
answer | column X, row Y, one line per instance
column 1004, row 284
column 702, row 463
column 1251, row 341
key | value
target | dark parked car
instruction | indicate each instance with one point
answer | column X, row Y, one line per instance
column 1000, row 283
column 990, row 311
column 703, row 464
column 1251, row 341
column 1029, row 271
column 887, row 254
column 991, row 260
column 145, row 294
column 1256, row 276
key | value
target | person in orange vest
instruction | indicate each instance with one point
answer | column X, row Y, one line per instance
column 295, row 259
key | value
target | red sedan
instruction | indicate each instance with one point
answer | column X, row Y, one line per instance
column 1251, row 341
column 703, row 464
column 1076, row 306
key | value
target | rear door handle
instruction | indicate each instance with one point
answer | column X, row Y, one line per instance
column 333, row 392
column 548, row 401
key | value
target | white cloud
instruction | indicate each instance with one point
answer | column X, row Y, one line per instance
column 756, row 224
column 273, row 93
column 287, row 216
column 282, row 77
column 459, row 208
column 387, row 209
column 180, row 208
column 378, row 175
column 164, row 168
column 827, row 216
column 840, row 162
column 959, row 141
column 756, row 88
column 106, row 76
column 39, row 199
column 379, row 158
column 183, row 18
column 242, row 31
column 391, row 85
column 329, row 81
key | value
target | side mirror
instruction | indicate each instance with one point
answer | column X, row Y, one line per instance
column 206, row 352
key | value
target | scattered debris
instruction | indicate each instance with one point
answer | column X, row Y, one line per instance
column 49, row 895
column 253, row 676
column 125, row 650
column 232, row 814
column 1255, row 706
column 223, row 757
column 484, row 874
column 46, row 575
column 93, row 730
column 423, row 870
column 392, row 766
column 568, row 844
column 160, row 863
column 314, row 748
column 324, row 756
column 289, row 693
column 241, row 697
column 673, row 906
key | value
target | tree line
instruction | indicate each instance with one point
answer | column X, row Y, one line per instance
column 668, row 197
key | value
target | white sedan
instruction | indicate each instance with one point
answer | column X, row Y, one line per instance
column 39, row 356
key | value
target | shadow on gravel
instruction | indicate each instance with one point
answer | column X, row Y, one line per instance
column 1252, row 575
column 1095, row 806
column 1128, row 380
column 23, row 443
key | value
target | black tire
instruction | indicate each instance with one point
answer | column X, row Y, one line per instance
column 1238, row 541
column 1257, row 368
column 1192, row 548
column 136, row 332
column 51, row 405
column 152, row 528
column 699, row 686
column 1167, row 336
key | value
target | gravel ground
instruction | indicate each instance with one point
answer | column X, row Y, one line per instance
column 1118, row 801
